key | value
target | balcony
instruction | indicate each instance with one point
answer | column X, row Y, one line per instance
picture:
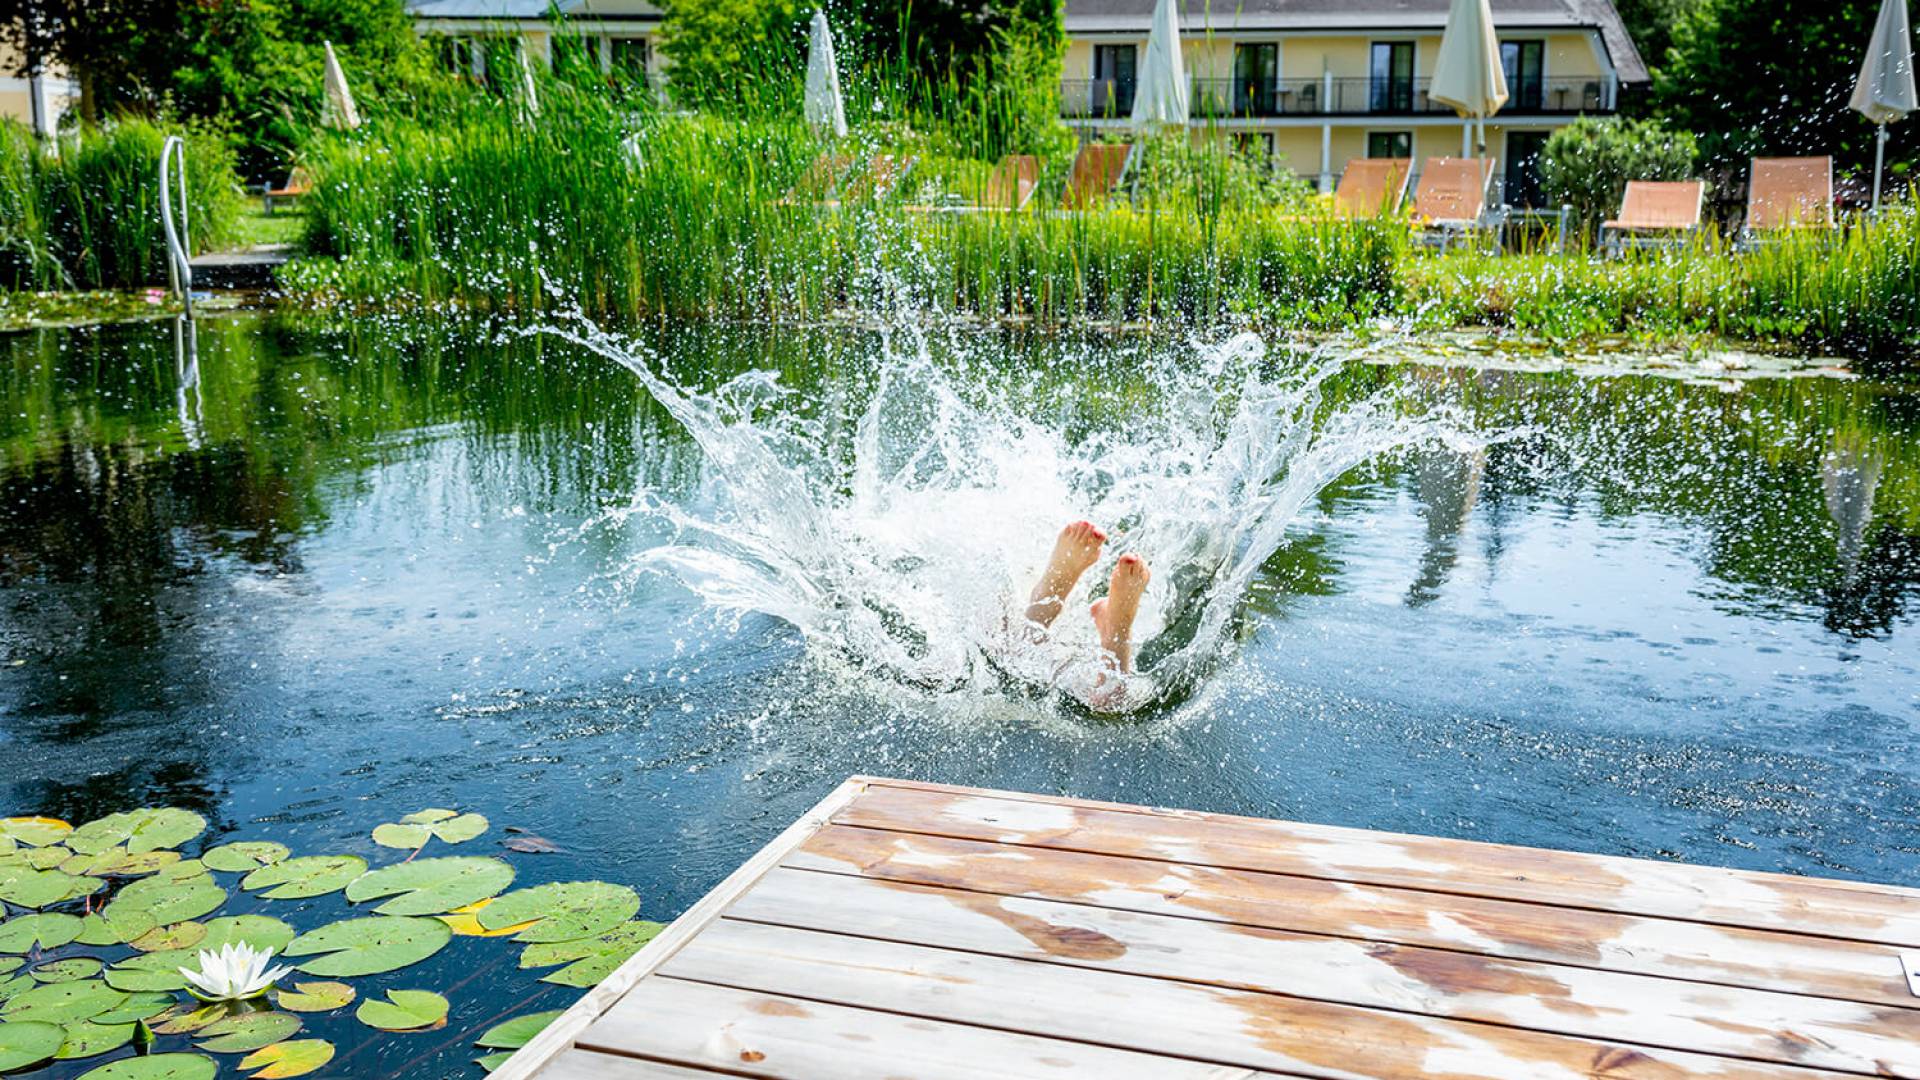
column 1226, row 99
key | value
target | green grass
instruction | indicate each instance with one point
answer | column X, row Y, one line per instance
column 255, row 226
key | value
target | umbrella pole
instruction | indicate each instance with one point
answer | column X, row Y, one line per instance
column 1879, row 163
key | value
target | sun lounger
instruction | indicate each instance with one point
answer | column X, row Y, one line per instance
column 878, row 180
column 1372, row 187
column 1097, row 170
column 1012, row 183
column 817, row 184
column 1788, row 193
column 1451, row 201
column 299, row 185
column 1654, row 211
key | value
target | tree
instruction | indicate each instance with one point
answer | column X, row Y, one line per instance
column 1772, row 77
column 1588, row 162
column 1651, row 24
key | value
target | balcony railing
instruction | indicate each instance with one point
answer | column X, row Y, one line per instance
column 1232, row 98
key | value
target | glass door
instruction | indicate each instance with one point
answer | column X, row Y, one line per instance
column 1114, row 67
column 1525, row 64
column 1391, row 79
column 1523, row 167
column 1256, row 75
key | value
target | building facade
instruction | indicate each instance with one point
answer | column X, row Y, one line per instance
column 1315, row 83
column 473, row 36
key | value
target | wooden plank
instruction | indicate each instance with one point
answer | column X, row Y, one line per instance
column 529, row 1060
column 586, row 1065
column 1670, row 1013
column 756, row 1034
column 1882, row 914
column 1733, row 956
column 1179, row 1020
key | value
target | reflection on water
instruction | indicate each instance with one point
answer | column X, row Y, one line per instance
column 300, row 580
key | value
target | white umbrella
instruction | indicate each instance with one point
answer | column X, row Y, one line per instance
column 825, row 113
column 526, row 80
column 339, row 112
column 1160, row 97
column 1885, row 94
column 1468, row 75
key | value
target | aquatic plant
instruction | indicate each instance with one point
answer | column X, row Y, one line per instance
column 106, row 924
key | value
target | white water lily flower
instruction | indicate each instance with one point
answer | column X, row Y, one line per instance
column 237, row 972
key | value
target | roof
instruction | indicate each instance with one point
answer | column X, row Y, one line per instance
column 506, row 10
column 1096, row 16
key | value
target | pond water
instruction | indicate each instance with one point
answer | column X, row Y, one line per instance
column 304, row 580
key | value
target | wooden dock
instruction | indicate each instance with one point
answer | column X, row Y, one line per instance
column 911, row 930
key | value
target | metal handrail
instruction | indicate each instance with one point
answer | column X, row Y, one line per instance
column 179, row 263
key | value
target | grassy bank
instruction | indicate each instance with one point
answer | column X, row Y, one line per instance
column 641, row 215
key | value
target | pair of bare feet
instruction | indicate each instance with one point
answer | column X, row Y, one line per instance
column 1077, row 549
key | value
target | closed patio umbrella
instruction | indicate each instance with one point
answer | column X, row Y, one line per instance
column 825, row 113
column 1468, row 75
column 1161, row 94
column 1885, row 92
column 339, row 111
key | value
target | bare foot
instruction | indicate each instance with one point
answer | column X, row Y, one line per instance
column 1077, row 549
column 1114, row 615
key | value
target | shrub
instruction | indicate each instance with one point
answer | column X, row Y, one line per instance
column 1587, row 163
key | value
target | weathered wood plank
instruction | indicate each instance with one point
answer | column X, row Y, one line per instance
column 587, row 1065
column 1182, row 1020
column 1733, row 956
column 1887, row 915
column 1728, row 1021
column 757, row 1034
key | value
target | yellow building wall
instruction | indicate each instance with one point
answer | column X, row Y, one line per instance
column 15, row 105
column 1298, row 149
column 1078, row 63
column 1571, row 56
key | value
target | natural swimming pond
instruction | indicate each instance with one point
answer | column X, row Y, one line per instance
column 302, row 581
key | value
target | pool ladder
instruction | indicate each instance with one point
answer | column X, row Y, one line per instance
column 173, row 152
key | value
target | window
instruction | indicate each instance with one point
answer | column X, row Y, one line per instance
column 460, row 55
column 1113, row 79
column 1256, row 75
column 1523, row 168
column 1390, row 144
column 1391, row 83
column 628, row 56
column 1525, row 63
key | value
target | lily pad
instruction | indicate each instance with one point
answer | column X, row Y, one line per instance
column 370, row 945
column 517, row 1032
column 32, row 831
column 404, row 1010
column 138, row 1006
column 282, row 1060
column 245, row 856
column 414, row 830
column 24, row 933
column 182, row 1019
column 169, row 900
column 152, row 972
column 313, row 997
column 244, row 1032
column 432, row 886
column 184, row 935
column 113, row 925
column 88, row 1037
column 119, row 862
column 465, row 921
column 490, row 1062
column 10, row 964
column 79, row 967
column 41, row 858
column 156, row 1067
column 259, row 931
column 563, row 910
column 28, row 1042
column 138, row 830
column 63, row 1002
column 309, row 875
column 32, row 888
column 14, row 987
column 590, row 960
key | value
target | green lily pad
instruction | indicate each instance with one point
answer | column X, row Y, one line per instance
column 309, row 875
column 282, row 1060
column 152, row 972
column 172, row 901
column 44, row 858
column 32, row 831
column 184, row 935
column 246, row 1032
column 113, row 925
column 414, row 830
column 517, row 1032
column 89, row 1037
column 14, row 987
column 490, row 1062
column 119, row 862
column 432, row 886
column 28, row 1042
column 138, row 1006
column 156, row 1067
column 63, row 1002
column 245, row 856
column 590, row 960
column 182, row 1019
column 10, row 964
column 404, row 1010
column 138, row 830
column 259, row 931
column 25, row 933
column 79, row 967
column 370, row 945
column 563, row 910
column 32, row 888
column 311, row 997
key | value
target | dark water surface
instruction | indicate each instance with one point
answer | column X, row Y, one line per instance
column 321, row 579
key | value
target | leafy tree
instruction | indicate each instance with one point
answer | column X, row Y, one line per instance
column 1588, row 163
column 1651, row 24
column 1772, row 77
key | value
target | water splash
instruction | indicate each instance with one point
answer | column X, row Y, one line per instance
column 902, row 532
